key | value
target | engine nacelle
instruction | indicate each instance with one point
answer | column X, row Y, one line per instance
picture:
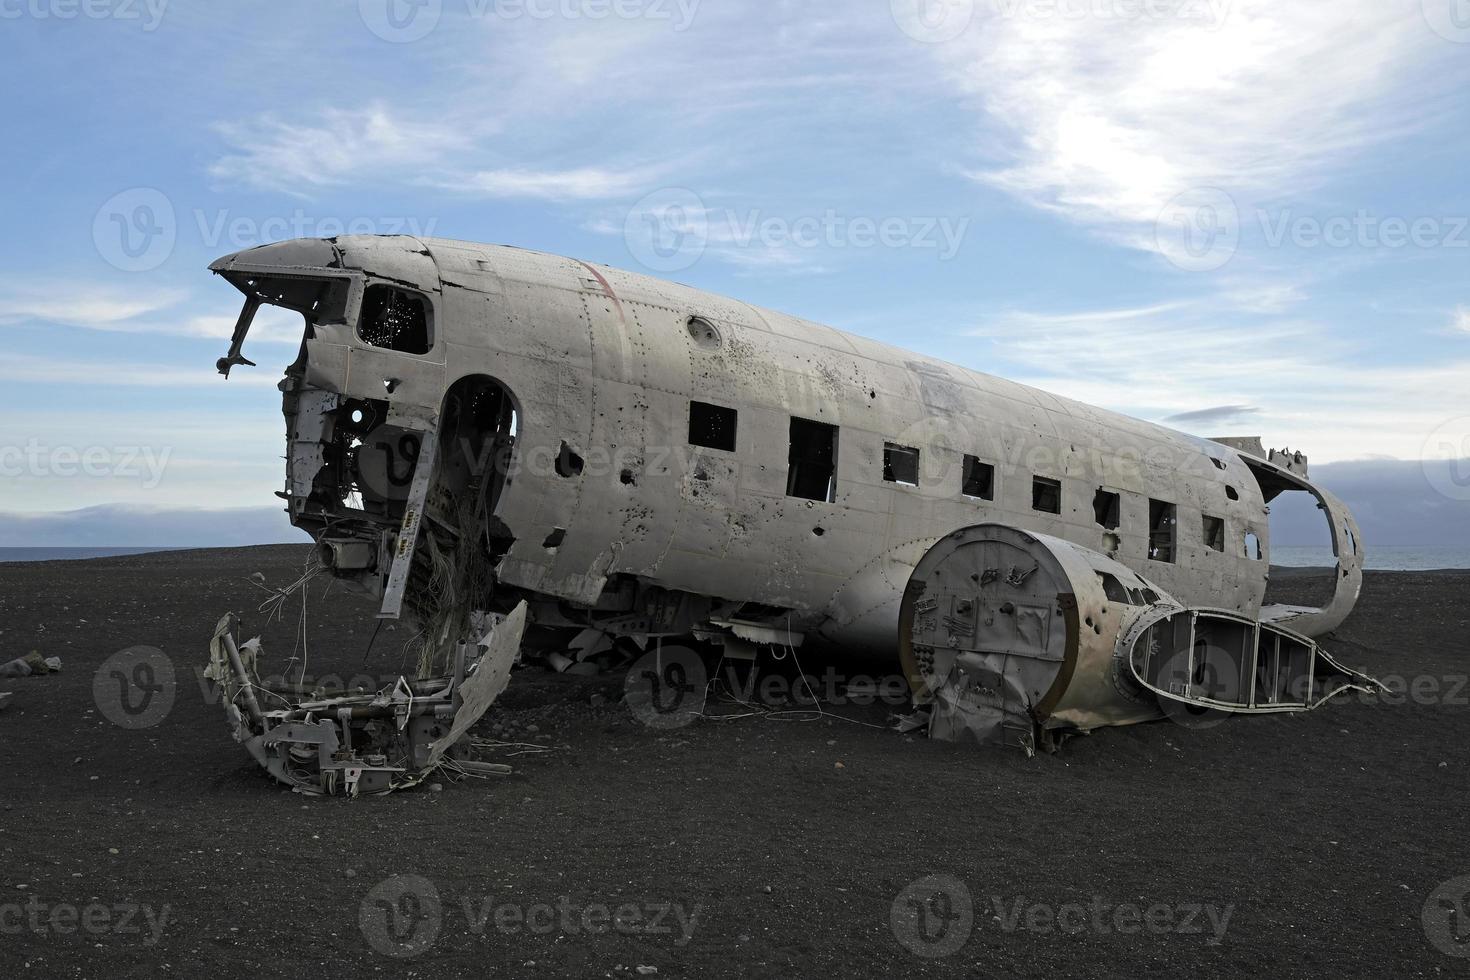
column 1013, row 636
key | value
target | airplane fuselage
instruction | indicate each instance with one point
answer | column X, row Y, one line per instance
column 654, row 434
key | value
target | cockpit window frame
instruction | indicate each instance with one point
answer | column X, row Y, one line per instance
column 247, row 281
column 431, row 325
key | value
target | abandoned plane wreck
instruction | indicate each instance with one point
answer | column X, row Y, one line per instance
column 521, row 453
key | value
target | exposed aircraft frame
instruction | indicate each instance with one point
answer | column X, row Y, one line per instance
column 475, row 427
column 368, row 743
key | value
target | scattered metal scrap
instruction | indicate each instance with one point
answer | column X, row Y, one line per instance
column 365, row 744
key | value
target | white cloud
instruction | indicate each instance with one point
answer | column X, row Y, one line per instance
column 26, row 368
column 272, row 325
column 136, row 310
column 582, row 183
column 1461, row 322
column 337, row 146
column 1315, row 390
column 1110, row 117
column 81, row 304
column 535, row 107
column 511, row 90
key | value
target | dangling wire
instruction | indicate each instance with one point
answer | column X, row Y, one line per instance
column 274, row 606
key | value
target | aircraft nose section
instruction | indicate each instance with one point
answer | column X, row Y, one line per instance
column 297, row 255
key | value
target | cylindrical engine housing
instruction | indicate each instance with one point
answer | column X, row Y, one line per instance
column 1007, row 631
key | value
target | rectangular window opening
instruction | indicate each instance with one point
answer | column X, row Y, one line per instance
column 395, row 319
column 1046, row 495
column 979, row 479
column 1214, row 533
column 1107, row 508
column 900, row 464
column 712, row 426
column 813, row 461
column 1161, row 525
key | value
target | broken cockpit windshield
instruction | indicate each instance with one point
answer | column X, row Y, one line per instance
column 319, row 301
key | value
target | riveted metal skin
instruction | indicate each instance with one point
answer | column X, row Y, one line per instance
column 547, row 402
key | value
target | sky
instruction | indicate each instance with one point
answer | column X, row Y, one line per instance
column 1234, row 217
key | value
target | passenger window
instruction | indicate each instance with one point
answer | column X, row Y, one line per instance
column 1214, row 533
column 813, row 461
column 395, row 319
column 1161, row 527
column 712, row 427
column 1107, row 509
column 979, row 479
column 900, row 464
column 1252, row 546
column 1046, row 495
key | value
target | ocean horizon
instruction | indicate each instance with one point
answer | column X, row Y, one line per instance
column 1384, row 558
column 78, row 553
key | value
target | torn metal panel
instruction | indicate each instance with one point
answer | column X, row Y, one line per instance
column 362, row 744
column 498, row 648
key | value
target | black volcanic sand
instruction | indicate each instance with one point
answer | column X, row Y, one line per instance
column 1325, row 834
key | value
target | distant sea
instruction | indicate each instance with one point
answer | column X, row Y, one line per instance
column 1380, row 559
column 71, row 554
